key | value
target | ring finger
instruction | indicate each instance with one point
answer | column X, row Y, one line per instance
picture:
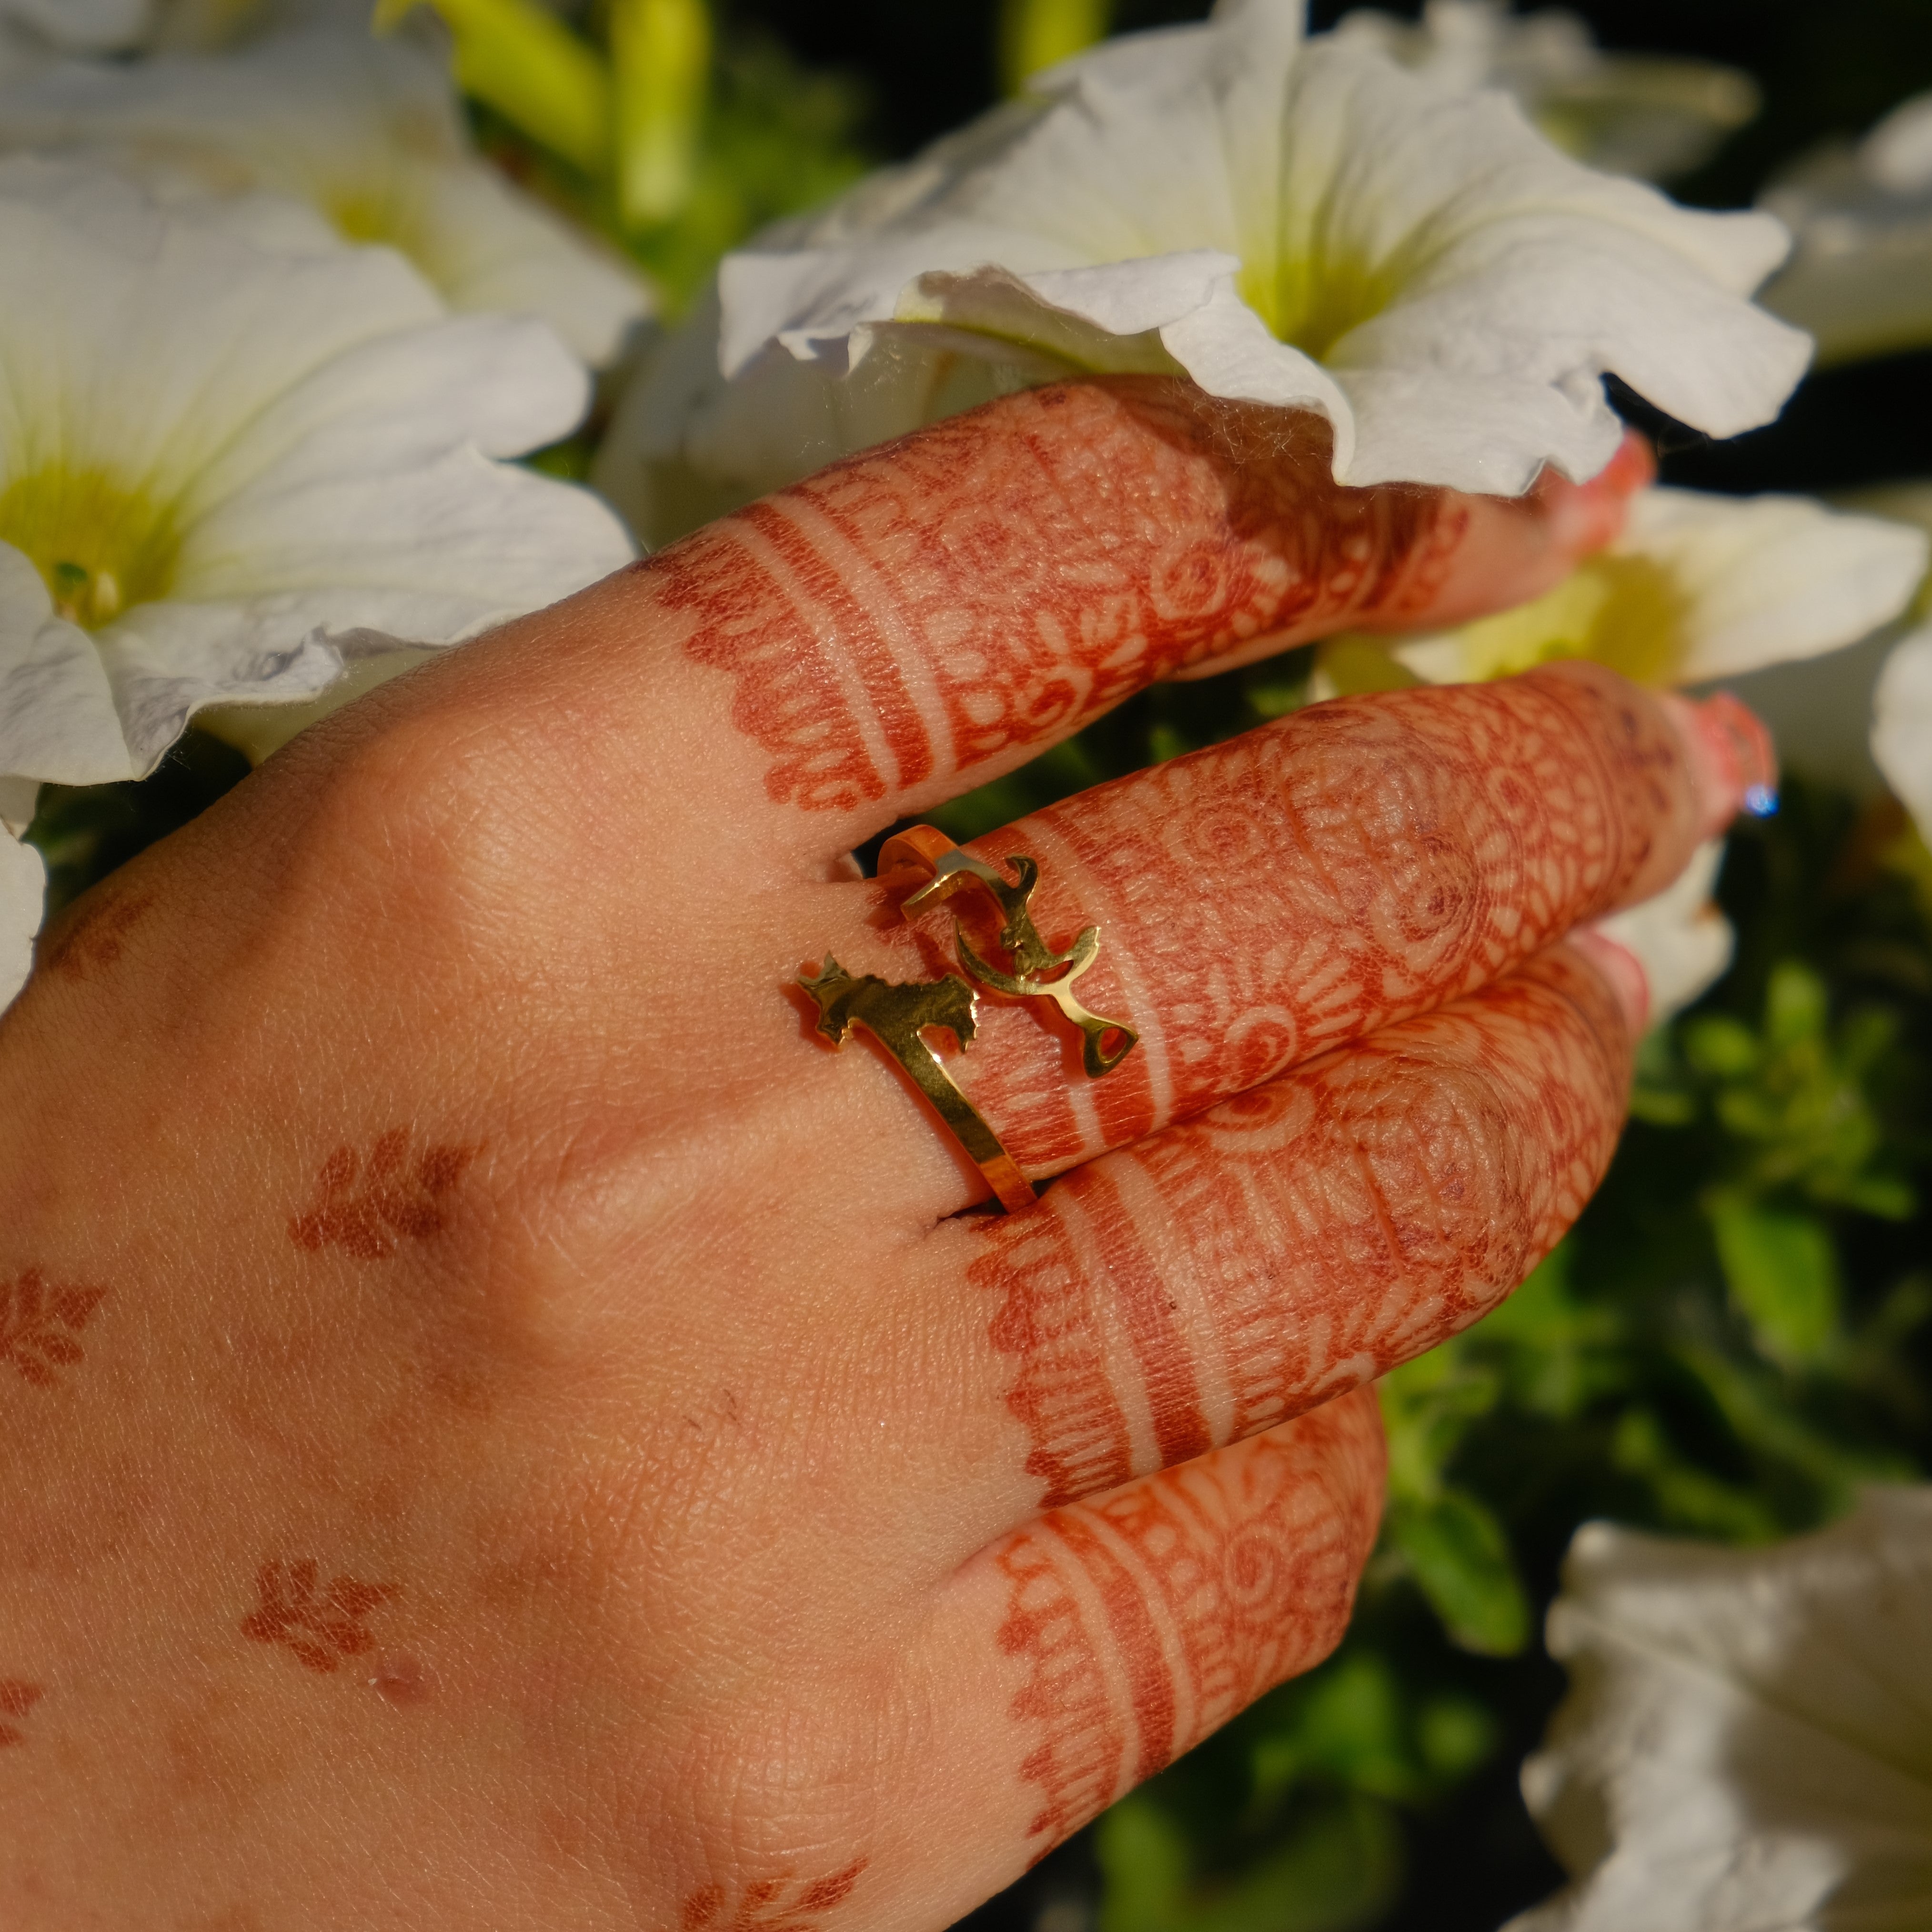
column 1264, row 901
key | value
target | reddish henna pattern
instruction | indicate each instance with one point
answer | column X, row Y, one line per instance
column 321, row 1627
column 1306, row 1236
column 781, row 1904
column 1146, row 1620
column 948, row 603
column 368, row 1207
column 1268, row 898
column 17, row 1697
column 97, row 937
column 38, row 1323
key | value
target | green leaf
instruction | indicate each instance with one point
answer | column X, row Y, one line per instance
column 531, row 68
column 1460, row 1557
column 1783, row 1272
column 1716, row 1044
column 1338, row 1867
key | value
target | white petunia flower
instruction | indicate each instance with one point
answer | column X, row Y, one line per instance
column 222, row 468
column 1632, row 114
column 1902, row 726
column 23, row 885
column 1306, row 226
column 1860, row 274
column 1698, row 586
column 1682, row 941
column 369, row 132
column 1747, row 1745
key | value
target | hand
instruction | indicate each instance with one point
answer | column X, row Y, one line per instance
column 503, row 1428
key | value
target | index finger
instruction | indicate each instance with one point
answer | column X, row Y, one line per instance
column 916, row 620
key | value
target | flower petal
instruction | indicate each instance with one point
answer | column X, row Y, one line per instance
column 1767, row 579
column 57, row 715
column 1414, row 261
column 1683, row 942
column 308, row 432
column 1744, row 1745
column 23, row 886
column 368, row 131
column 1902, row 725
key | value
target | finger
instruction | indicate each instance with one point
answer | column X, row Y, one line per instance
column 1217, row 1278
column 915, row 620
column 1267, row 899
column 1085, row 1652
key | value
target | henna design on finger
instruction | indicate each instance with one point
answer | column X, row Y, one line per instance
column 97, row 936
column 38, row 1323
column 780, row 1904
column 366, row 1207
column 1365, row 862
column 1306, row 1236
column 1147, row 1620
column 320, row 1627
column 17, row 1697
column 993, row 582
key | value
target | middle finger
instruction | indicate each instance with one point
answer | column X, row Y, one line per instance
column 1267, row 899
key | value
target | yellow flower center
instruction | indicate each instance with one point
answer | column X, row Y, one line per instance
column 1310, row 298
column 101, row 547
column 1626, row 612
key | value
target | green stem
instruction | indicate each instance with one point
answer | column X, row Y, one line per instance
column 513, row 56
column 660, row 51
column 1036, row 34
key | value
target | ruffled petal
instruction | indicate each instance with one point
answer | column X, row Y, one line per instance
column 58, row 721
column 1682, row 941
column 1902, row 725
column 1743, row 1747
column 23, row 889
column 1414, row 262
column 296, row 443
column 369, row 132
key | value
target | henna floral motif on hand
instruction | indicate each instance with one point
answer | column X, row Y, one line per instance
column 1147, row 1619
column 38, row 1323
column 782, row 1904
column 994, row 583
column 366, row 1207
column 1337, row 1220
column 17, row 1697
column 97, row 936
column 321, row 1627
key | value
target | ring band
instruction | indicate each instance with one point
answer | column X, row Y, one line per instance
column 927, row 868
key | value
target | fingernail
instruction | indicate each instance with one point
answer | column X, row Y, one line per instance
column 1622, row 972
column 1585, row 517
column 1733, row 763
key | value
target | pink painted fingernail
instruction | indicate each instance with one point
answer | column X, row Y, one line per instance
column 1733, row 763
column 1586, row 517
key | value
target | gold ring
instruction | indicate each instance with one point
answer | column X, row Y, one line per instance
column 926, row 867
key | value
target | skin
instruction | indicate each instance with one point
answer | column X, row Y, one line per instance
column 501, row 1426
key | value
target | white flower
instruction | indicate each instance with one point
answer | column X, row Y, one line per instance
column 1902, row 726
column 1681, row 940
column 1631, row 114
column 222, row 469
column 23, row 884
column 1310, row 226
column 1747, row 1745
column 1860, row 274
column 369, row 132
column 1698, row 586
